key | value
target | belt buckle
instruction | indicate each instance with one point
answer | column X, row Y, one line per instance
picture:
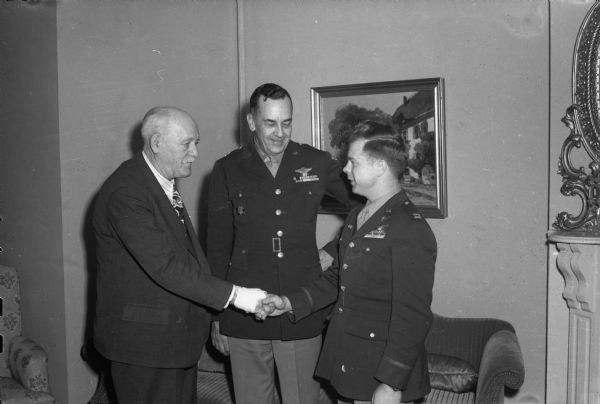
column 276, row 241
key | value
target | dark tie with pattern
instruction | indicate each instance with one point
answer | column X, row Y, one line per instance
column 177, row 203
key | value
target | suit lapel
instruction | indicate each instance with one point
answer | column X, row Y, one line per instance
column 164, row 205
column 192, row 243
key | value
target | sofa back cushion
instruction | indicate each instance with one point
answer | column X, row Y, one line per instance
column 451, row 374
column 10, row 315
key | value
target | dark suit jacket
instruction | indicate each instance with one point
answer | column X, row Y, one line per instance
column 153, row 282
column 382, row 281
column 261, row 230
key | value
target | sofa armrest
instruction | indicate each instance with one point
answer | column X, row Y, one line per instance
column 28, row 363
column 501, row 366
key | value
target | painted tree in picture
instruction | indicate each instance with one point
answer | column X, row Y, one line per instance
column 413, row 120
column 345, row 120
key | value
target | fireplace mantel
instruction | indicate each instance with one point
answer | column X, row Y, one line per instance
column 578, row 261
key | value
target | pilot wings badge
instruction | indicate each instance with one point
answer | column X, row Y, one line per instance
column 304, row 177
column 379, row 232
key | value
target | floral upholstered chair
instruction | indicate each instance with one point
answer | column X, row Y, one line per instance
column 23, row 363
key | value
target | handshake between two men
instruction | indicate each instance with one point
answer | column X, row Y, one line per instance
column 259, row 303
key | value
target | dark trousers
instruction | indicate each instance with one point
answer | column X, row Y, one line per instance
column 144, row 385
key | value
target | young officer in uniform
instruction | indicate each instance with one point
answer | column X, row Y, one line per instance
column 374, row 346
column 263, row 204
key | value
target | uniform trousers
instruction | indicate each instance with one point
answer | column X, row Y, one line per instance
column 145, row 385
column 254, row 362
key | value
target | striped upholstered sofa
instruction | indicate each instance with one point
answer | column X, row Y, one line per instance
column 471, row 361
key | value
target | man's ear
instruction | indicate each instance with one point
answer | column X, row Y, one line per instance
column 155, row 142
column 250, row 120
column 382, row 165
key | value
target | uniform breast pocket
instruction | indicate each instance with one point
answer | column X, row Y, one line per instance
column 373, row 247
column 308, row 197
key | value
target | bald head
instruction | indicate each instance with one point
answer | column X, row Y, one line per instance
column 160, row 120
column 170, row 136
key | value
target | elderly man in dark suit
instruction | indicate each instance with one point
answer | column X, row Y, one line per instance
column 263, row 204
column 374, row 349
column 154, row 284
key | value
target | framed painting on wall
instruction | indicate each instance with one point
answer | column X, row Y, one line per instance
column 415, row 108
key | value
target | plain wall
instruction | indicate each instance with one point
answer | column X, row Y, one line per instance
column 494, row 58
column 30, row 177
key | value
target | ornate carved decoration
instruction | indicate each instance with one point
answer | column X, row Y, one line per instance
column 577, row 265
column 583, row 119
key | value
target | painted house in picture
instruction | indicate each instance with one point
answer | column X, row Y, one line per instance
column 412, row 107
column 415, row 122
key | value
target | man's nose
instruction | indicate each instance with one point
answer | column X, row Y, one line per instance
column 279, row 131
column 193, row 150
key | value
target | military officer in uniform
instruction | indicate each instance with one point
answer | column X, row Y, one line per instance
column 382, row 282
column 263, row 203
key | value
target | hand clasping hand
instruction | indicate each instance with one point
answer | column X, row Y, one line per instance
column 266, row 309
column 274, row 305
column 249, row 300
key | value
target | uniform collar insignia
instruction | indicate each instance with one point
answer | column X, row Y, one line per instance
column 386, row 215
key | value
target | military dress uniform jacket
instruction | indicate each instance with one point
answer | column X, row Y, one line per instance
column 261, row 230
column 153, row 280
column 382, row 280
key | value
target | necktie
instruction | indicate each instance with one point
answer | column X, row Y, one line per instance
column 363, row 216
column 177, row 203
column 272, row 164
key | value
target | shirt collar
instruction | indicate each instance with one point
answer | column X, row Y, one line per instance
column 264, row 156
column 379, row 202
column 165, row 184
